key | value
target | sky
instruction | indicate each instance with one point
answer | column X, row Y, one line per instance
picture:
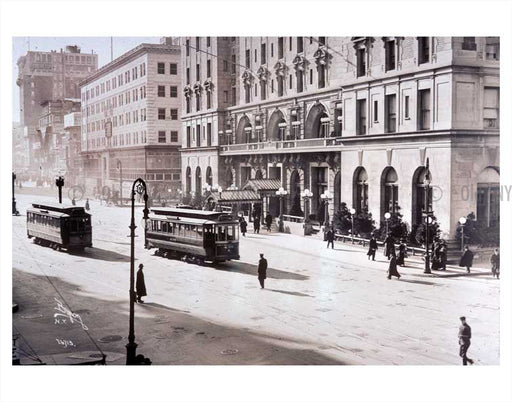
column 100, row 46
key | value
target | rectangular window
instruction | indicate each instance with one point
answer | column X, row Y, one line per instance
column 198, row 135
column 263, row 53
column 233, row 96
column 290, row 78
column 173, row 69
column 390, row 107
column 361, row 116
column 161, row 91
column 208, row 41
column 174, row 91
column 198, row 102
column 300, row 81
column 209, row 134
column 390, row 55
column 208, row 100
column 187, row 102
column 469, row 43
column 492, row 48
column 321, row 76
column 375, row 111
column 311, row 77
column 174, row 136
column 361, row 62
column 226, row 96
column 491, row 107
column 188, row 136
column 247, row 93
column 161, row 68
column 263, row 91
column 198, row 72
column 280, row 47
column 174, row 114
column 208, row 68
column 300, row 44
column 423, row 49
column 271, row 50
column 424, row 109
column 161, row 113
column 280, row 86
column 255, row 55
column 248, row 58
column 321, row 40
column 233, row 64
column 161, row 137
column 188, row 75
column 198, row 43
column 406, row 107
column 187, row 47
column 225, row 66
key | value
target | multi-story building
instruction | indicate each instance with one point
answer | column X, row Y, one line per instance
column 210, row 85
column 130, row 122
column 48, row 76
column 20, row 157
column 360, row 116
column 49, row 149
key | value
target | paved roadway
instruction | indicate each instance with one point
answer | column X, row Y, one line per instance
column 320, row 306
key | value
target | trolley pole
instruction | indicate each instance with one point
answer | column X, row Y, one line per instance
column 139, row 187
column 59, row 182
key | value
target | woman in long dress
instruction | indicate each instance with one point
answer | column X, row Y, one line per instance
column 392, row 270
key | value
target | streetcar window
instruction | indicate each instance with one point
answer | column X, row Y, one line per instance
column 232, row 233
column 221, row 233
column 164, row 227
column 200, row 232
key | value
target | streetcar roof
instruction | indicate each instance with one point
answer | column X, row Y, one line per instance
column 48, row 213
column 62, row 208
column 190, row 213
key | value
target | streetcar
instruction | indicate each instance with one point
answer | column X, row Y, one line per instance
column 193, row 235
column 59, row 226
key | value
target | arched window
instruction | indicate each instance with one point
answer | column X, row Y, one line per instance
column 418, row 195
column 198, row 181
column 389, row 191
column 188, row 182
column 317, row 123
column 488, row 197
column 276, row 126
column 209, row 177
column 360, row 189
column 243, row 131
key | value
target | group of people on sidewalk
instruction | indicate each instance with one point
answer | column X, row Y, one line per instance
column 256, row 223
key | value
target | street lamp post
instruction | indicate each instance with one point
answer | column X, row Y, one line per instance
column 59, row 182
column 14, row 209
column 120, row 167
column 352, row 213
column 387, row 215
column 462, row 222
column 326, row 196
column 139, row 187
column 428, row 217
column 281, row 193
column 306, row 196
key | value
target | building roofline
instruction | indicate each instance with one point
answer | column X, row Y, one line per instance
column 129, row 55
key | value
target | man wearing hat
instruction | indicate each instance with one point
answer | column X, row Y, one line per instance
column 464, row 341
column 140, row 285
column 262, row 270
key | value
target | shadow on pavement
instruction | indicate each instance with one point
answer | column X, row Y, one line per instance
column 288, row 293
column 96, row 253
column 158, row 305
column 419, row 282
column 165, row 335
column 250, row 269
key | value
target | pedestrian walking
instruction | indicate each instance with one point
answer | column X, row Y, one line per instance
column 372, row 248
column 256, row 224
column 268, row 222
column 389, row 246
column 402, row 253
column 444, row 255
column 436, row 257
column 87, row 206
column 392, row 270
column 330, row 238
column 467, row 259
column 243, row 226
column 495, row 263
column 262, row 270
column 464, row 341
column 140, row 285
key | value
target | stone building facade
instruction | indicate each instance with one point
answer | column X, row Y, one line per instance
column 359, row 116
column 130, row 122
column 48, row 76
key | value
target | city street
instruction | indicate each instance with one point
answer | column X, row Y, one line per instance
column 320, row 306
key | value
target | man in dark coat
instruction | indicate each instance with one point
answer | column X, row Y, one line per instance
column 243, row 226
column 495, row 263
column 330, row 238
column 268, row 221
column 392, row 271
column 372, row 248
column 464, row 341
column 444, row 257
column 87, row 206
column 262, row 271
column 466, row 259
column 389, row 246
column 402, row 251
column 140, row 285
column 256, row 224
